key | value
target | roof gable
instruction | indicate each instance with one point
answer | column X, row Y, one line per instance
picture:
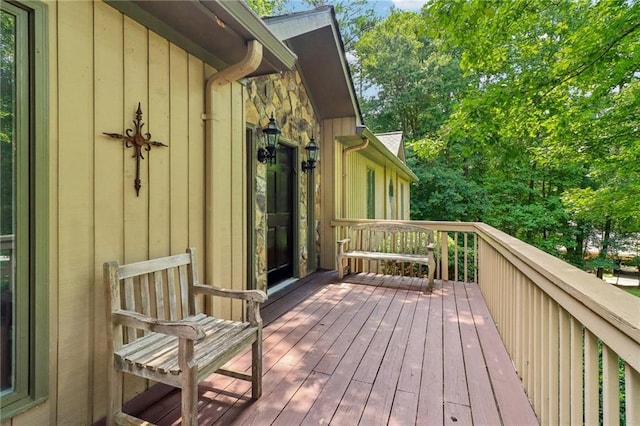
column 315, row 38
column 394, row 142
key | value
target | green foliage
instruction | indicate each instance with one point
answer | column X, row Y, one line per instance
column 7, row 106
column 415, row 81
column 266, row 7
column 444, row 193
column 544, row 130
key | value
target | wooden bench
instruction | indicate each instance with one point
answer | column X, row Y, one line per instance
column 390, row 242
column 153, row 331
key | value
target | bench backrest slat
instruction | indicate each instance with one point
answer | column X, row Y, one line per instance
column 391, row 237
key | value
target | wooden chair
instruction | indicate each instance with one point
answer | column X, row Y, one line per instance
column 153, row 331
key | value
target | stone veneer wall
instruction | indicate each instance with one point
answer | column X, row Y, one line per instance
column 286, row 98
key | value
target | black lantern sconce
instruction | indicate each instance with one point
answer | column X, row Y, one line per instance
column 312, row 149
column 271, row 136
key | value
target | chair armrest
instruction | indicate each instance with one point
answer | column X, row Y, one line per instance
column 185, row 329
column 343, row 241
column 251, row 295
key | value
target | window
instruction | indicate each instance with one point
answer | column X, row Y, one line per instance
column 371, row 194
column 23, row 206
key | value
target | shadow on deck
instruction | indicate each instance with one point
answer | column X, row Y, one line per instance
column 370, row 349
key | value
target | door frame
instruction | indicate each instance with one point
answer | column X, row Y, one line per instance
column 295, row 182
column 252, row 135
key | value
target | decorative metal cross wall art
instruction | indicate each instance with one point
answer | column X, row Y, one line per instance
column 138, row 141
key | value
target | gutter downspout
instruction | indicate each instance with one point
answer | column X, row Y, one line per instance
column 247, row 65
column 345, row 151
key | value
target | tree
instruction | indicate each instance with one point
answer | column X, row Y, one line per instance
column 415, row 81
column 266, row 7
column 554, row 101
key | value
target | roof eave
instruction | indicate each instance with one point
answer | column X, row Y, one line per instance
column 233, row 21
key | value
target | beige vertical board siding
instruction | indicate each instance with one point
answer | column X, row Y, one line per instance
column 136, row 231
column 179, row 149
column 407, row 196
column 211, row 249
column 329, row 193
column 158, row 159
column 381, row 202
column 75, row 209
column 109, row 184
column 196, row 165
column 238, row 198
column 221, row 187
column 136, row 208
column 53, row 216
column 341, row 181
column 38, row 415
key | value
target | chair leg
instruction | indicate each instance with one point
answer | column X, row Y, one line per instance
column 256, row 367
column 190, row 398
column 114, row 389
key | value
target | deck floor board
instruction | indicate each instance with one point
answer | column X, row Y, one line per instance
column 370, row 349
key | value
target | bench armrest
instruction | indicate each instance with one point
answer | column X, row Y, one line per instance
column 185, row 329
column 341, row 245
column 250, row 295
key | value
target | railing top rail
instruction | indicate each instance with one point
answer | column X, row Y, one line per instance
column 619, row 308
column 432, row 225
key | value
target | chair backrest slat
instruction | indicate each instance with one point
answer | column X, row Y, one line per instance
column 159, row 288
column 160, row 298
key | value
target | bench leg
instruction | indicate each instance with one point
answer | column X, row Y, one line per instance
column 432, row 271
column 256, row 367
column 340, row 268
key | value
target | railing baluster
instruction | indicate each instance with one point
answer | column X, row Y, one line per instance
column 610, row 387
column 632, row 394
column 577, row 378
column 591, row 379
column 444, row 243
column 455, row 256
column 564, row 368
column 553, row 354
column 466, row 257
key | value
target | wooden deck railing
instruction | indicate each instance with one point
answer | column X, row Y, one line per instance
column 574, row 340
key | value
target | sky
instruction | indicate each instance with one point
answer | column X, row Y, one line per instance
column 382, row 7
column 413, row 5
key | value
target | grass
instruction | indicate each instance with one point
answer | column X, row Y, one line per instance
column 633, row 290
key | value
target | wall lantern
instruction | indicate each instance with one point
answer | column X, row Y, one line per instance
column 312, row 149
column 271, row 136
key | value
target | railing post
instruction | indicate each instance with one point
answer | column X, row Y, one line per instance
column 444, row 243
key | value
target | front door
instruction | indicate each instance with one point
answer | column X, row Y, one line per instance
column 280, row 216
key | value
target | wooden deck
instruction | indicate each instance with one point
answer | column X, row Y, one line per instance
column 369, row 350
